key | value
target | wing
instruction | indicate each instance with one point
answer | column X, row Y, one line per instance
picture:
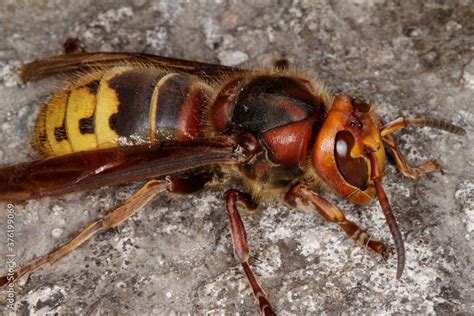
column 97, row 168
column 69, row 63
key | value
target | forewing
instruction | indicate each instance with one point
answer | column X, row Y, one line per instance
column 97, row 168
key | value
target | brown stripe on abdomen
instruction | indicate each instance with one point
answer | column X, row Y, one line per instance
column 178, row 103
column 189, row 124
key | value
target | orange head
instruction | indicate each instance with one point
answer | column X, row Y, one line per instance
column 340, row 153
column 349, row 156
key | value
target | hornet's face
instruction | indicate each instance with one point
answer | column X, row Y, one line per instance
column 349, row 156
column 340, row 153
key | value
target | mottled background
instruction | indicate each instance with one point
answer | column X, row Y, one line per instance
column 412, row 58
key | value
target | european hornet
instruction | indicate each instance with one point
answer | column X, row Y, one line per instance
column 127, row 117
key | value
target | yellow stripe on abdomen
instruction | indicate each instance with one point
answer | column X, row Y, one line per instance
column 40, row 138
column 55, row 124
column 80, row 115
column 107, row 104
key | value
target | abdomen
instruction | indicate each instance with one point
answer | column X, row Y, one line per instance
column 122, row 106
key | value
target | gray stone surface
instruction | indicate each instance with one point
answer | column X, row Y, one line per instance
column 412, row 59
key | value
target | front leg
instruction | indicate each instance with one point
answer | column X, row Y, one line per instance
column 241, row 247
column 302, row 194
column 414, row 172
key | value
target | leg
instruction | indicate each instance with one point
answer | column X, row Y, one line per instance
column 111, row 219
column 72, row 46
column 282, row 64
column 302, row 194
column 241, row 247
column 402, row 165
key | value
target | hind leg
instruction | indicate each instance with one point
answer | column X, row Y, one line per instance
column 110, row 219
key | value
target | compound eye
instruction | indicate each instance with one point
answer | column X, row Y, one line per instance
column 354, row 170
column 360, row 105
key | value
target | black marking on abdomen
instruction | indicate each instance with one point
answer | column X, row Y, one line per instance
column 42, row 138
column 86, row 125
column 60, row 133
column 134, row 89
column 93, row 86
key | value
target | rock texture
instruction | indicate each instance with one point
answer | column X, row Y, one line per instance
column 411, row 58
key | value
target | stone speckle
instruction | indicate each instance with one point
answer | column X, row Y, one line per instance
column 175, row 256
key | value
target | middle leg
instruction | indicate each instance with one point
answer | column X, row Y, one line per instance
column 241, row 247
